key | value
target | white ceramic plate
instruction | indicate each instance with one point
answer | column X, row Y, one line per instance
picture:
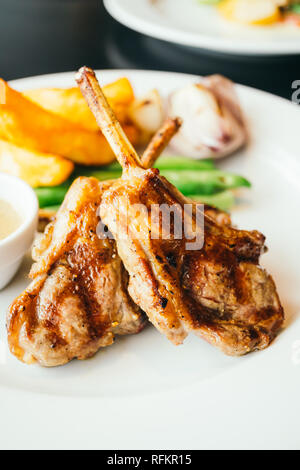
column 188, row 23
column 143, row 392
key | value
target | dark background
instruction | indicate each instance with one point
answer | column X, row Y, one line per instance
column 47, row 36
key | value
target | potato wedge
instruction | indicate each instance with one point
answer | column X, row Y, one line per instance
column 29, row 126
column 70, row 104
column 35, row 168
column 120, row 92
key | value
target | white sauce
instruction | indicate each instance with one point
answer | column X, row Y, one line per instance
column 10, row 220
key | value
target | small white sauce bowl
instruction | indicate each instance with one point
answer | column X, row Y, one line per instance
column 13, row 248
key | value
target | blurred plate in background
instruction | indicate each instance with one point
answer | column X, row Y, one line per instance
column 191, row 24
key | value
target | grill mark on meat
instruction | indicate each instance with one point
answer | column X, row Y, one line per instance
column 66, row 311
column 214, row 295
column 85, row 267
column 55, row 340
column 171, row 260
column 164, row 302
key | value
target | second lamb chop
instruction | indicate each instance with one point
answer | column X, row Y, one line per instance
column 219, row 291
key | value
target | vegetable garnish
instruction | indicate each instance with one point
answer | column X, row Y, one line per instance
column 258, row 12
column 198, row 179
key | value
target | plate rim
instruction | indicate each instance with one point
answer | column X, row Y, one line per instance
column 153, row 423
column 193, row 76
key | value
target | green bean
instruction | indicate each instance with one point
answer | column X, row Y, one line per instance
column 52, row 208
column 51, row 196
column 295, row 8
column 163, row 163
column 191, row 177
column 205, row 182
column 182, row 163
column 224, row 200
column 106, row 175
column 90, row 170
column 187, row 181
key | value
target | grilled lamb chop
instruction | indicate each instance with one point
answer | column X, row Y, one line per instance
column 78, row 299
column 218, row 292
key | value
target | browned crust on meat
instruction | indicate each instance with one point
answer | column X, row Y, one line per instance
column 78, row 299
column 219, row 292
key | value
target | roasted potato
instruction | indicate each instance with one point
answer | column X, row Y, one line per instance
column 37, row 169
column 27, row 125
column 119, row 91
column 70, row 104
